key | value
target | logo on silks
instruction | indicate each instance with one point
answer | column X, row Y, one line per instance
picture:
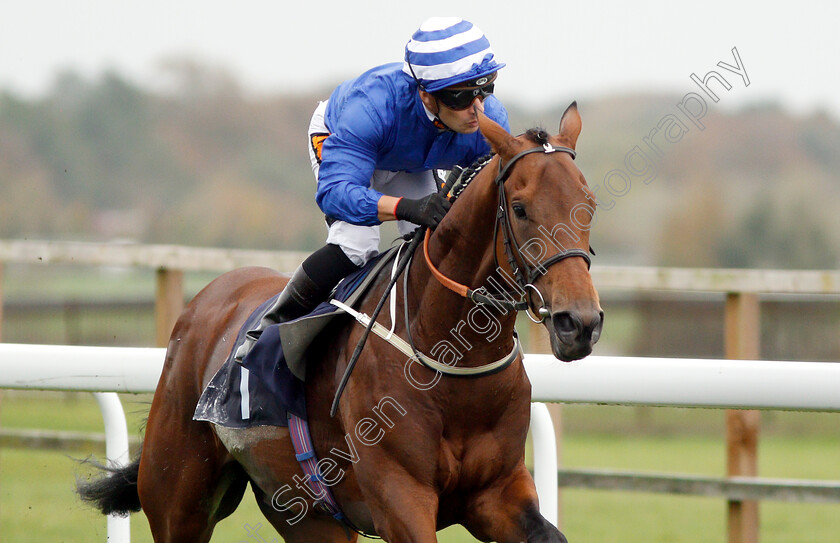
column 317, row 141
column 482, row 81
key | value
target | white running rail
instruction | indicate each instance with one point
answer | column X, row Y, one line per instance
column 736, row 384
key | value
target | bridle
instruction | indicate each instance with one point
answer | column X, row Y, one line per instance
column 524, row 274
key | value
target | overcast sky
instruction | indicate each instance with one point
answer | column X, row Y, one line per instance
column 555, row 50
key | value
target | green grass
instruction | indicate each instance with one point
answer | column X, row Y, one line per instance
column 37, row 502
column 77, row 411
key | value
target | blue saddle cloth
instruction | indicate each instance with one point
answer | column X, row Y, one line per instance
column 263, row 390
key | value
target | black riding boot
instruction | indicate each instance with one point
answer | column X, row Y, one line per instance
column 312, row 282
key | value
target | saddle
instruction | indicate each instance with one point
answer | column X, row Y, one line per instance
column 262, row 381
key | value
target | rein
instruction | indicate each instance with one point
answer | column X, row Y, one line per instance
column 408, row 348
column 525, row 275
column 475, row 295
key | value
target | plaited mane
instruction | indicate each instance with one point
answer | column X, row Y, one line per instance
column 537, row 135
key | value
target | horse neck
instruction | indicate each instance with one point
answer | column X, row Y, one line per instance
column 463, row 249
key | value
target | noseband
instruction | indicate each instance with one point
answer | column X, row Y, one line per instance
column 524, row 274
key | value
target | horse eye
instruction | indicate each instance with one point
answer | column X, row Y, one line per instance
column 519, row 211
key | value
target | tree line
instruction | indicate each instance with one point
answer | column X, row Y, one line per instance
column 199, row 161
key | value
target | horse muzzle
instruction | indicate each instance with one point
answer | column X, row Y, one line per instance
column 574, row 332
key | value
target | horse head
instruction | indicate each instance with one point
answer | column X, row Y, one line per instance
column 548, row 211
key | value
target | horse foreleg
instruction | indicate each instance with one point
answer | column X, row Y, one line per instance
column 311, row 528
column 508, row 512
column 403, row 509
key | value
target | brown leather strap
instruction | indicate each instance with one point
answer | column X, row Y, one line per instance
column 457, row 288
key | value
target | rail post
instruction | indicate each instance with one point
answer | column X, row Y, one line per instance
column 741, row 341
column 169, row 303
column 1, row 314
column 539, row 343
column 116, row 451
column 545, row 461
column 1, row 300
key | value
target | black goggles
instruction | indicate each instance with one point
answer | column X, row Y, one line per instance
column 460, row 99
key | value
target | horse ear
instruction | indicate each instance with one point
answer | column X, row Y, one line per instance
column 501, row 142
column 570, row 125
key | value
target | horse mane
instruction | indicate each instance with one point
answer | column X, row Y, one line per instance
column 466, row 175
column 536, row 135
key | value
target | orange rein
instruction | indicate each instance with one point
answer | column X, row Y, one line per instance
column 457, row 288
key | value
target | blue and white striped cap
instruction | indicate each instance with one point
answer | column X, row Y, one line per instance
column 446, row 51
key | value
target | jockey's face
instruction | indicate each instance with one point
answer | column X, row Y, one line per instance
column 463, row 121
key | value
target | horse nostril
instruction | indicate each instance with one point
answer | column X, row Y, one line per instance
column 564, row 322
column 596, row 326
column 571, row 327
column 567, row 325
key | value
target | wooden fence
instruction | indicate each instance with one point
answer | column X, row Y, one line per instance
column 742, row 316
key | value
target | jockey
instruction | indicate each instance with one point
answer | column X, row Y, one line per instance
column 374, row 144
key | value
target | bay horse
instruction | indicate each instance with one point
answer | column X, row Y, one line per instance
column 449, row 452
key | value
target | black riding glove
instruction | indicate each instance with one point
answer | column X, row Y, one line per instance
column 427, row 211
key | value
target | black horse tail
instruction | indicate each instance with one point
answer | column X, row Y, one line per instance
column 114, row 491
